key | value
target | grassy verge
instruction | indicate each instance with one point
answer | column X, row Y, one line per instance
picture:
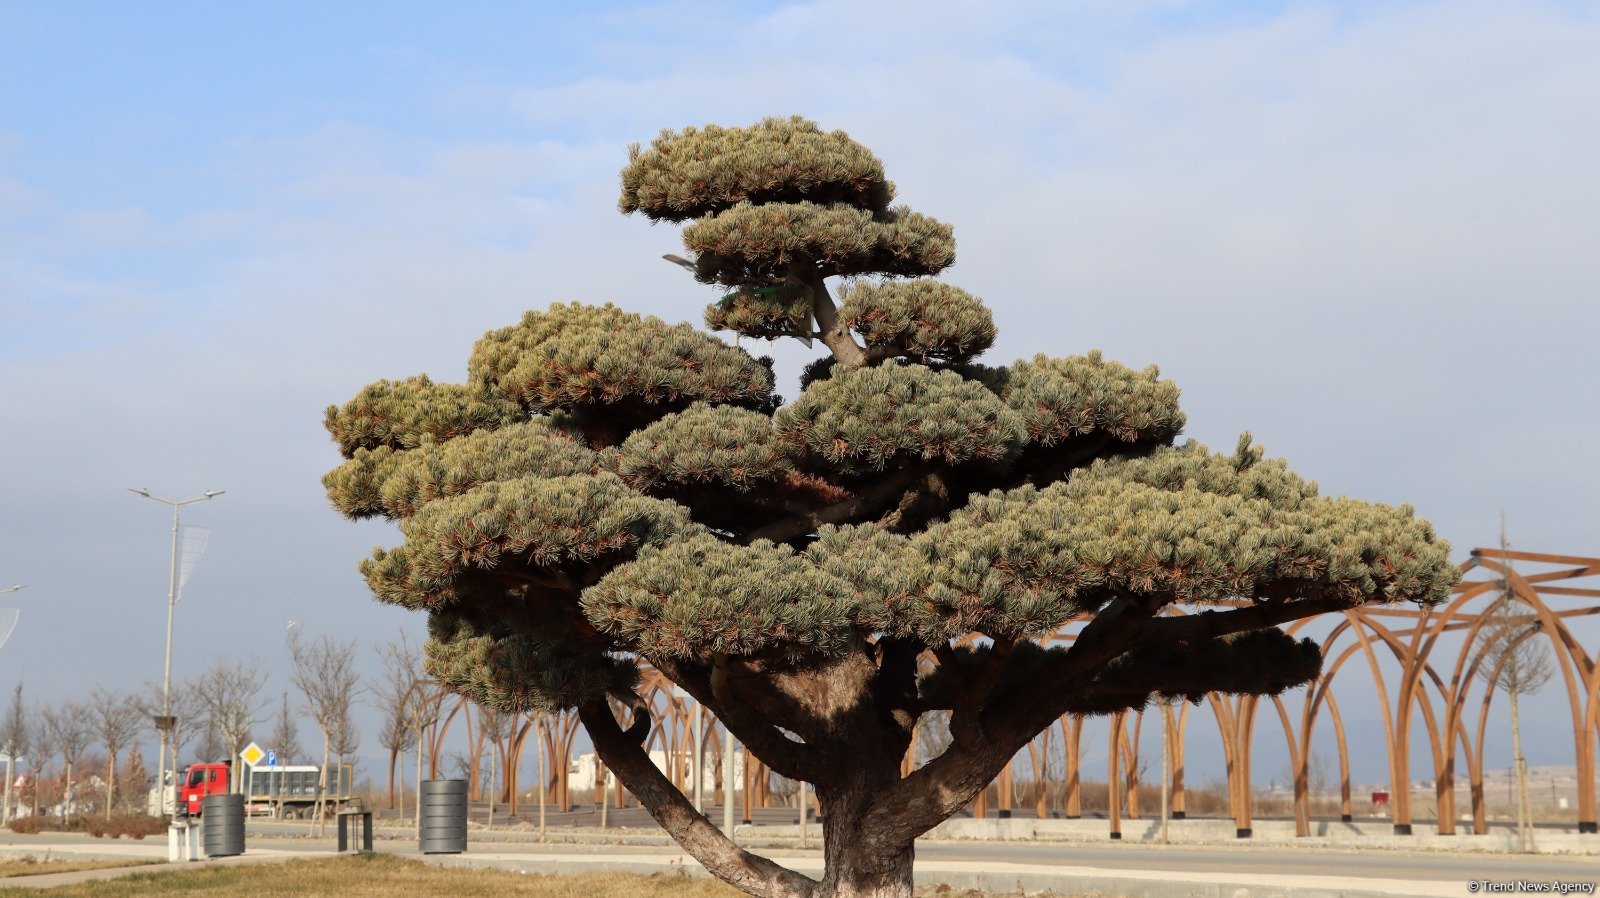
column 28, row 865
column 378, row 876
column 385, row 876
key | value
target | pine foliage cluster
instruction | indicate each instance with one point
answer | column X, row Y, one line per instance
column 606, row 486
column 921, row 319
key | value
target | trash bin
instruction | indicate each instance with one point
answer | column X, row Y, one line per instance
column 223, row 825
column 444, row 817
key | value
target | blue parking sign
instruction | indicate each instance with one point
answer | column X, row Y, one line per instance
column 272, row 757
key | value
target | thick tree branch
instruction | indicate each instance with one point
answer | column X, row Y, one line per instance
column 830, row 330
column 688, row 827
column 786, row 757
column 1042, row 466
column 754, row 729
column 939, row 788
column 880, row 495
column 1210, row 624
column 895, row 686
column 966, row 718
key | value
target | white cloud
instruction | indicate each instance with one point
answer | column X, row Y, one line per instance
column 1368, row 237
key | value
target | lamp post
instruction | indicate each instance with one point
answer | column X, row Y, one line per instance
column 10, row 747
column 165, row 723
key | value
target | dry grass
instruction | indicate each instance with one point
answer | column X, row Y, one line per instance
column 385, row 876
column 381, row 876
column 28, row 865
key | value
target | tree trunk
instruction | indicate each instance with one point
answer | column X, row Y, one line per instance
column 111, row 783
column 66, row 797
column 1524, row 806
column 394, row 761
column 544, row 787
column 855, row 864
column 322, row 789
column 418, row 801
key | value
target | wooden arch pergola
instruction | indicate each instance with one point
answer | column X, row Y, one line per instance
column 1416, row 673
column 1413, row 676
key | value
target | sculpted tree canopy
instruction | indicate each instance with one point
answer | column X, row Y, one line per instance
column 607, row 487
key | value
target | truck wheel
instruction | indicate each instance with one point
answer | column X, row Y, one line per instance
column 291, row 813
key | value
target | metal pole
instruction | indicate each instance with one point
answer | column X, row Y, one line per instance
column 698, row 734
column 166, row 671
column 727, row 781
column 805, row 815
column 11, row 747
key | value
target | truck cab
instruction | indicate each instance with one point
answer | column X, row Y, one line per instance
column 199, row 781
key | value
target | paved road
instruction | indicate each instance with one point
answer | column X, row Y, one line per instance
column 1273, row 862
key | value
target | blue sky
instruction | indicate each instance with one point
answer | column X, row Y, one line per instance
column 1363, row 231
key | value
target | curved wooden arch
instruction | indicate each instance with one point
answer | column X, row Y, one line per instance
column 1411, row 639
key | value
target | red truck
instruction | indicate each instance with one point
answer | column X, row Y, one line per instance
column 288, row 792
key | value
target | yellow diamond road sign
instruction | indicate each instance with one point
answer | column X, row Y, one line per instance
column 252, row 754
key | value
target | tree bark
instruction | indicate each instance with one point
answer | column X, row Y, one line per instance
column 111, row 783
column 857, row 861
column 394, row 760
column 833, row 332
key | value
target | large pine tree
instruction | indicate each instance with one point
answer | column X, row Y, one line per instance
column 607, row 488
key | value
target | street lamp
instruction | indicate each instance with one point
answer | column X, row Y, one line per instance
column 10, row 747
column 165, row 722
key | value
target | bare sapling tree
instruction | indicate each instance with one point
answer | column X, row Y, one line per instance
column 67, row 729
column 285, row 741
column 187, row 713
column 323, row 669
column 395, row 691
column 607, row 489
column 285, row 736
column 425, row 709
column 1164, row 704
column 133, row 783
column 117, row 720
column 1514, row 658
column 45, row 740
column 230, row 695
column 346, row 738
column 494, row 727
column 16, row 736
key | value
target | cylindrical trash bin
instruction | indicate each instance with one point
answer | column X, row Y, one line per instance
column 223, row 825
column 444, row 817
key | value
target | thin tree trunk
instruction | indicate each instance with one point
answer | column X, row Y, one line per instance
column 419, row 783
column 1520, row 773
column 394, row 759
column 111, row 783
column 1166, row 771
column 322, row 790
column 494, row 790
column 544, row 786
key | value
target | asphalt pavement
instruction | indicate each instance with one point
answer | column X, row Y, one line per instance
column 1150, row 871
